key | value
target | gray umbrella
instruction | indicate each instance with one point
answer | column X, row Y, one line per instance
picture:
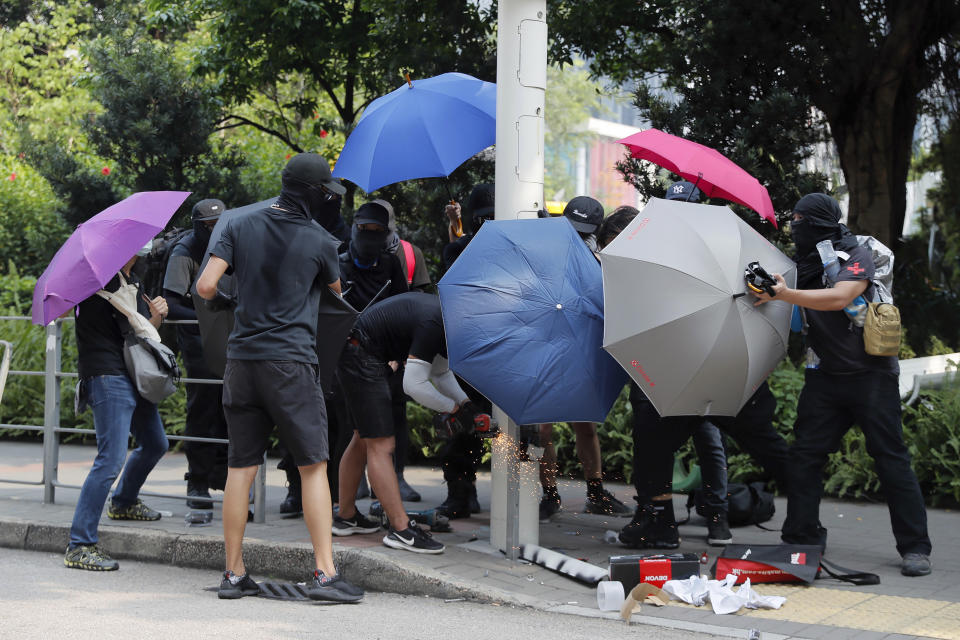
column 336, row 316
column 676, row 313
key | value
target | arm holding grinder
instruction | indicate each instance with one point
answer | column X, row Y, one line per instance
column 435, row 387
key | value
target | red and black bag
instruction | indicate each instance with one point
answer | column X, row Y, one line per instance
column 783, row 563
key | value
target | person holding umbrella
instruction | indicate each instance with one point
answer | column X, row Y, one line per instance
column 118, row 412
column 656, row 440
column 480, row 205
column 845, row 386
column 281, row 261
column 586, row 215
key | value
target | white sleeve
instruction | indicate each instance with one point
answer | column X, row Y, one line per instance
column 416, row 384
column 444, row 380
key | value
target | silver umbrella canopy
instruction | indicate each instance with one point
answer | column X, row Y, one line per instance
column 678, row 316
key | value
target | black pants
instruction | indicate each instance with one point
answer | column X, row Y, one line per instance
column 461, row 456
column 206, row 462
column 829, row 405
column 656, row 440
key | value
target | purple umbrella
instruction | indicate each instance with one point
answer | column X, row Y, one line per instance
column 98, row 248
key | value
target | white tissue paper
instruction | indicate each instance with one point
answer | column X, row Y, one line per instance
column 697, row 590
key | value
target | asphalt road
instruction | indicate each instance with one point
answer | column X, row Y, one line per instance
column 40, row 599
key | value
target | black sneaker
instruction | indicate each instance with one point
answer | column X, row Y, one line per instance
column 198, row 497
column 653, row 527
column 232, row 587
column 549, row 506
column 292, row 504
column 90, row 558
column 407, row 493
column 414, row 539
column 358, row 523
column 718, row 530
column 915, row 564
column 332, row 589
column 606, row 504
column 136, row 511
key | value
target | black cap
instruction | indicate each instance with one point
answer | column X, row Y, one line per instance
column 389, row 207
column 584, row 213
column 374, row 213
column 209, row 209
column 312, row 169
column 481, row 201
column 682, row 191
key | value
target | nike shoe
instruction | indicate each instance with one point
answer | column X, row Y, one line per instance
column 233, row 586
column 357, row 523
column 414, row 539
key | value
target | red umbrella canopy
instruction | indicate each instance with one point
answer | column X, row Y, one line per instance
column 713, row 173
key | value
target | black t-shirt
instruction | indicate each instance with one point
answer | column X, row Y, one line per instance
column 408, row 324
column 835, row 339
column 181, row 272
column 280, row 261
column 361, row 285
column 452, row 250
column 100, row 328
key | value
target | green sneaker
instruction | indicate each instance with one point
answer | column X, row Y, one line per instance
column 90, row 558
column 136, row 511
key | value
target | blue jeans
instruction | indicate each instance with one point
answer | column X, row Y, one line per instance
column 118, row 411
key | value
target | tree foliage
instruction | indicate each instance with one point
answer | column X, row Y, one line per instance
column 752, row 78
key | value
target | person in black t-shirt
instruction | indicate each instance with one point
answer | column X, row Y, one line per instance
column 118, row 412
column 281, row 260
column 407, row 328
column 206, row 463
column 370, row 272
column 847, row 386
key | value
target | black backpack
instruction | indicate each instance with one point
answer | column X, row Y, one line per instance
column 153, row 268
column 747, row 503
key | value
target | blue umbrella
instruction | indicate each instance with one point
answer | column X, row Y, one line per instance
column 426, row 128
column 523, row 312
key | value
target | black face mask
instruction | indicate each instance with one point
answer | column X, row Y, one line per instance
column 366, row 246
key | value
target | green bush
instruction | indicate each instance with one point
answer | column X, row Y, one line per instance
column 31, row 230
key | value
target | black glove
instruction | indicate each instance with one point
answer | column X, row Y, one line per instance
column 444, row 426
column 472, row 419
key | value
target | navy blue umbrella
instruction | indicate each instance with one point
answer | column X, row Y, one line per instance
column 426, row 128
column 523, row 312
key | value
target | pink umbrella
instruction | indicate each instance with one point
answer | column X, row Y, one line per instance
column 98, row 248
column 713, row 173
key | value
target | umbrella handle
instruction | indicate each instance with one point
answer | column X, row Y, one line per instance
column 407, row 76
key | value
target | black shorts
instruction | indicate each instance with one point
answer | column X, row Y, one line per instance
column 365, row 380
column 258, row 394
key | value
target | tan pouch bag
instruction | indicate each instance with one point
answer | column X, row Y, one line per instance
column 881, row 329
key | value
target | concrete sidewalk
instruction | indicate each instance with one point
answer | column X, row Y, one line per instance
column 860, row 538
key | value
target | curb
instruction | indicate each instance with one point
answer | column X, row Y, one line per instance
column 372, row 570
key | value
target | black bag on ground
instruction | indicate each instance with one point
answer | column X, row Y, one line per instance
column 747, row 504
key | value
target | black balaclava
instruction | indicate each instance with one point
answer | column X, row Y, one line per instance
column 301, row 193
column 366, row 246
column 209, row 209
column 821, row 221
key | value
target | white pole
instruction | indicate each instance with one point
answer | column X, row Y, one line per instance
column 521, row 87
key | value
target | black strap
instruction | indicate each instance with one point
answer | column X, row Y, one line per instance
column 860, row 578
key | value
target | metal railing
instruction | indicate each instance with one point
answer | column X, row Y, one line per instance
column 51, row 429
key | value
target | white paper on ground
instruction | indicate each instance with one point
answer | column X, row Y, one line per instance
column 697, row 591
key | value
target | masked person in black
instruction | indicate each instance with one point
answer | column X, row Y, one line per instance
column 371, row 272
column 281, row 260
column 586, row 215
column 843, row 386
column 206, row 463
column 407, row 328
column 480, row 205
column 656, row 440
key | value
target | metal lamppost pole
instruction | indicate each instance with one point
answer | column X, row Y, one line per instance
column 521, row 88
